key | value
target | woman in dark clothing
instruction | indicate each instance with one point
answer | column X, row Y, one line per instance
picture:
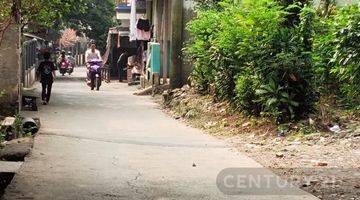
column 46, row 71
column 122, row 64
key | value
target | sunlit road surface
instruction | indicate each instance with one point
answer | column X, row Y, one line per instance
column 109, row 144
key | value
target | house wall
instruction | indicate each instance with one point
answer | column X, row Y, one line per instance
column 9, row 67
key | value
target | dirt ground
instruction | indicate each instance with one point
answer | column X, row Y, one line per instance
column 323, row 163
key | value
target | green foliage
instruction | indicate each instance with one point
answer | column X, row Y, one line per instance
column 203, row 28
column 323, row 50
column 39, row 12
column 276, row 57
column 237, row 48
column 207, row 4
column 94, row 21
column 346, row 57
column 17, row 126
column 92, row 17
column 246, row 85
column 335, row 54
column 44, row 13
column 276, row 100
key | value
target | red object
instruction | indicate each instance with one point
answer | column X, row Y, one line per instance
column 64, row 64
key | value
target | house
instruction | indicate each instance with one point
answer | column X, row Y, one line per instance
column 167, row 19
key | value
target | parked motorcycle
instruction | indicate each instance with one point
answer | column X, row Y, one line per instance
column 94, row 75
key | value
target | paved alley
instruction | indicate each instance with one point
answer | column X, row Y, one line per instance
column 109, row 144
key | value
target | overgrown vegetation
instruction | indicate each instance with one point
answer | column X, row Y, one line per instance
column 276, row 58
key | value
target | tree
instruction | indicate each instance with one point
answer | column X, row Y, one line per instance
column 36, row 12
column 91, row 17
column 95, row 21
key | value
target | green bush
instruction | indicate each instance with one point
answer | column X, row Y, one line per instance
column 277, row 102
column 202, row 28
column 246, row 86
column 275, row 57
column 236, row 48
column 346, row 57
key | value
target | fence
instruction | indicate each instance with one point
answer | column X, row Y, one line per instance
column 105, row 73
column 30, row 59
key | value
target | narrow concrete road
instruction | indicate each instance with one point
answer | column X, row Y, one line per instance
column 113, row 145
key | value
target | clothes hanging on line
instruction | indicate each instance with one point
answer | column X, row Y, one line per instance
column 143, row 24
column 143, row 35
column 143, row 30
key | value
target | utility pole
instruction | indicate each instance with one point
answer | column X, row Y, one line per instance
column 165, row 38
column 176, row 43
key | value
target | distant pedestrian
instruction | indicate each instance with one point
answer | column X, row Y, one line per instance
column 46, row 71
column 122, row 64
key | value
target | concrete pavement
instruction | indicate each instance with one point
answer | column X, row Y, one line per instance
column 113, row 145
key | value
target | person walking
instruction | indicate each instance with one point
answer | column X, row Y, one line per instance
column 122, row 65
column 47, row 74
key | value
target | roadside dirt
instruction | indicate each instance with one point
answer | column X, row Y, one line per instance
column 323, row 163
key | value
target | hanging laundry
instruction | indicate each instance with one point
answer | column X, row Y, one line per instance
column 143, row 35
column 143, row 24
column 143, row 30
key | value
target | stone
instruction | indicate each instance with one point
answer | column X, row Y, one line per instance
column 296, row 143
column 335, row 129
column 185, row 88
column 314, row 181
column 250, row 146
column 8, row 121
column 9, row 167
column 16, row 150
column 320, row 164
column 279, row 155
column 356, row 134
column 311, row 122
column 247, row 124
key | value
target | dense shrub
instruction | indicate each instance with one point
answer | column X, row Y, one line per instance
column 203, row 29
column 241, row 46
column 347, row 55
column 274, row 57
column 246, row 86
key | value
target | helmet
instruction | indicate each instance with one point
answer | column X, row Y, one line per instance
column 92, row 42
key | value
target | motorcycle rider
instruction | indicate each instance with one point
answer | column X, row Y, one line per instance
column 90, row 54
column 62, row 58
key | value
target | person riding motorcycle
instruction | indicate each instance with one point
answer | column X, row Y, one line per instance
column 63, row 63
column 91, row 54
column 62, row 57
